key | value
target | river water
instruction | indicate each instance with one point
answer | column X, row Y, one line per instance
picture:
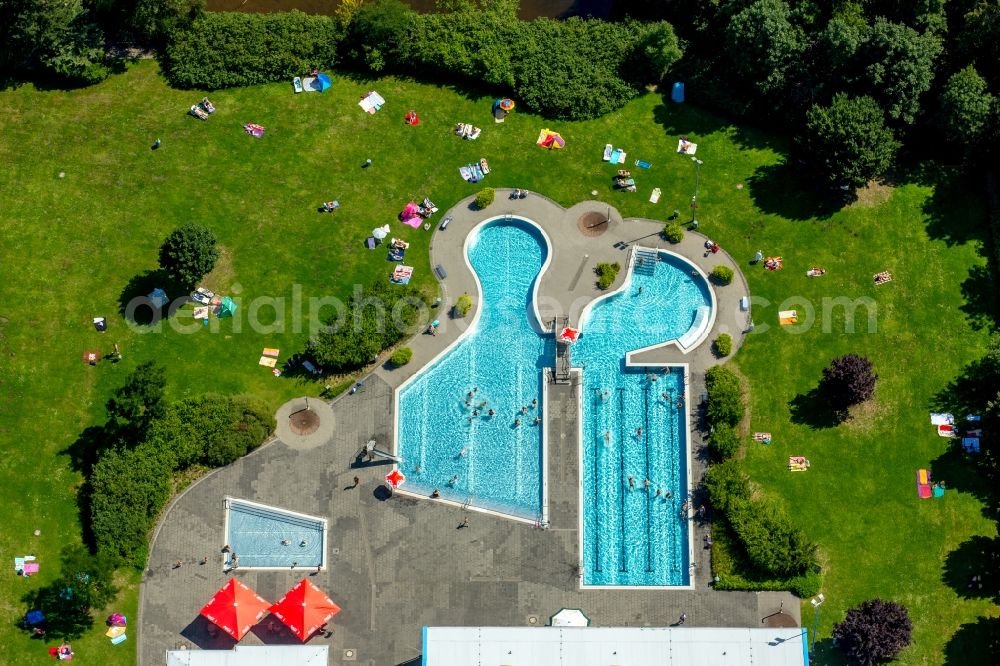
column 529, row 8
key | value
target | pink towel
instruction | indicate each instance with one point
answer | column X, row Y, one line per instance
column 413, row 222
column 31, row 567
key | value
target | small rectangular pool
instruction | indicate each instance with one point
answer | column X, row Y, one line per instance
column 266, row 537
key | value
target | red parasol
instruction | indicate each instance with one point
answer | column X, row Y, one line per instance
column 395, row 478
column 304, row 608
column 235, row 608
column 569, row 335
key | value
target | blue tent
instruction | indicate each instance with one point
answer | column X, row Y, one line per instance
column 159, row 298
column 677, row 94
column 323, row 81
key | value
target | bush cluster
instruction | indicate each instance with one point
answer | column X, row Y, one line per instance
column 724, row 344
column 774, row 551
column 725, row 397
column 606, row 274
column 401, row 356
column 722, row 275
column 673, row 232
column 463, row 305
column 228, row 49
column 376, row 318
column 131, row 483
column 485, row 197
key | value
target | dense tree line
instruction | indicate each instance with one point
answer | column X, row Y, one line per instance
column 855, row 80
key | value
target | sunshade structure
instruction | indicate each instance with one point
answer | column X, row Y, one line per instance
column 380, row 232
column 322, row 81
column 227, row 307
column 506, row 104
column 569, row 617
column 395, row 478
column 569, row 335
column 304, row 609
column 235, row 608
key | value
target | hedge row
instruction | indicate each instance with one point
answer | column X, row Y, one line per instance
column 130, row 486
column 773, row 552
column 725, row 567
column 228, row 49
column 572, row 69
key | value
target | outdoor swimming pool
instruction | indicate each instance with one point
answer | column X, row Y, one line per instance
column 256, row 533
column 634, row 428
column 445, row 433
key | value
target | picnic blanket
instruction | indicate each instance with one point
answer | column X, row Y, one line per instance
column 201, row 312
column 267, row 361
column 686, row 147
column 271, row 351
column 114, row 632
column 882, row 278
column 607, row 152
column 413, row 221
column 788, row 317
column 655, row 196
column 396, row 254
column 402, row 274
column 371, row 102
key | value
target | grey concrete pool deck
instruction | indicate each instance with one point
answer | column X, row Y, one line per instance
column 395, row 564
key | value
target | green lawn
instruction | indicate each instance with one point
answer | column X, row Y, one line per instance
column 73, row 245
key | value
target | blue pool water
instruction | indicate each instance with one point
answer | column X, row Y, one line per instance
column 632, row 536
column 255, row 533
column 440, row 435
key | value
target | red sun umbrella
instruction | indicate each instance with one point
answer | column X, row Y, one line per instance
column 235, row 608
column 395, row 478
column 304, row 608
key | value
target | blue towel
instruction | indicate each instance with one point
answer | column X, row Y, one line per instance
column 642, row 164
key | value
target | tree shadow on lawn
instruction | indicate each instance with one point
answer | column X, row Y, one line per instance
column 949, row 216
column 135, row 305
column 977, row 556
column 974, row 642
column 813, row 409
column 785, row 189
column 979, row 291
column 682, row 120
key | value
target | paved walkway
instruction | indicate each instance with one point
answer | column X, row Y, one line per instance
column 395, row 565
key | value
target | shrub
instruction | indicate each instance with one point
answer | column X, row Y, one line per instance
column 189, row 254
column 134, row 407
column 401, row 356
column 727, row 484
column 485, row 197
column 722, row 275
column 725, row 397
column 376, row 318
column 848, row 380
column 463, row 305
column 772, row 542
column 724, row 441
column 849, row 140
column 673, row 232
column 128, row 488
column 606, row 274
column 378, row 32
column 228, row 49
column 874, row 632
column 724, row 344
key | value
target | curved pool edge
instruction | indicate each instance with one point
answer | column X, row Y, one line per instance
column 542, row 519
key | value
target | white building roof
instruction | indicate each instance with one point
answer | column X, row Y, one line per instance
column 252, row 655
column 613, row 646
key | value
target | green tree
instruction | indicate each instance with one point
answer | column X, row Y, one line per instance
column 967, row 105
column 725, row 397
column 134, row 406
column 463, row 305
column 849, row 140
column 659, row 50
column 128, row 489
column 764, row 45
column 378, row 31
column 874, row 632
column 158, row 20
column 189, row 253
column 900, row 67
column 55, row 36
column 724, row 441
column 85, row 584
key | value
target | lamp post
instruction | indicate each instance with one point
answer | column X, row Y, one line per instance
column 816, row 602
column 694, row 199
